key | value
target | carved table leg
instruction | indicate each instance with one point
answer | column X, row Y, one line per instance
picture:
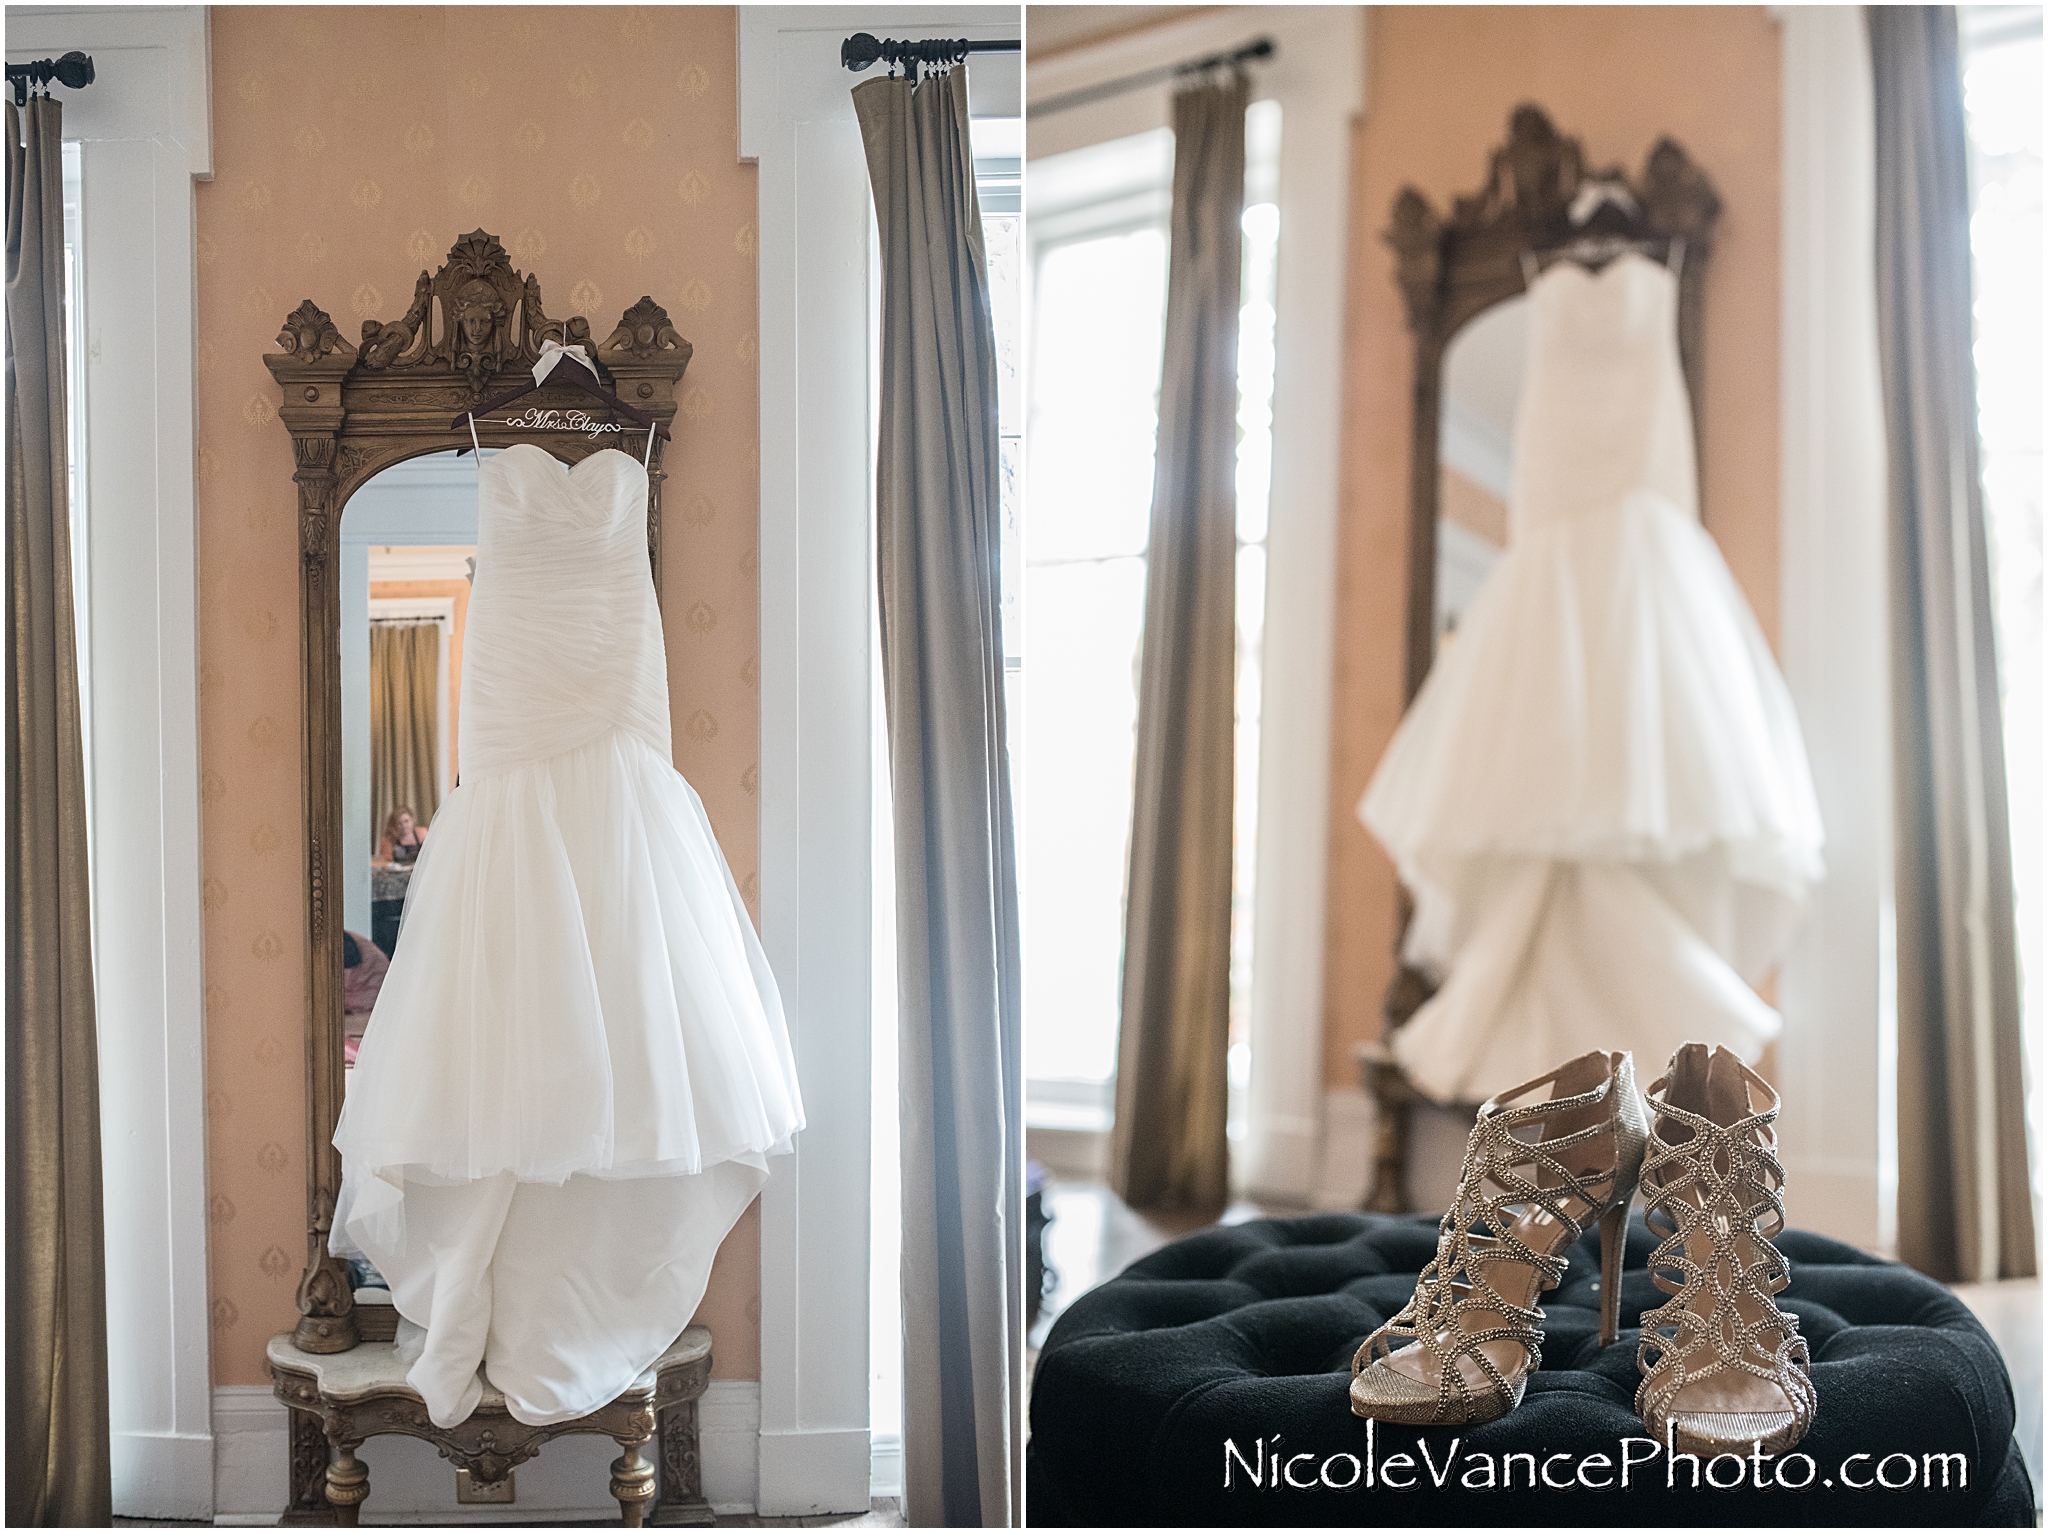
column 308, row 1507
column 632, row 1481
column 348, row 1482
column 1393, row 1100
column 681, row 1502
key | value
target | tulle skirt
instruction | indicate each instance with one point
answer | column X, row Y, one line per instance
column 566, row 1095
column 1601, row 804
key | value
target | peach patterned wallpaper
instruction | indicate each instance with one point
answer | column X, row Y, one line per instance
column 1441, row 81
column 352, row 146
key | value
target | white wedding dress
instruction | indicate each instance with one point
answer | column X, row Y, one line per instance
column 1599, row 800
column 578, row 1063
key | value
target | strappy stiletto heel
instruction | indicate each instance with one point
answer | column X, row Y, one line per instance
column 1461, row 1350
column 1723, row 1366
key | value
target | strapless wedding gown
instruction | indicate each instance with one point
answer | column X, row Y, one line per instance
column 1600, row 800
column 578, row 1064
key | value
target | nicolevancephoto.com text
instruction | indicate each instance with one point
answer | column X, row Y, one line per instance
column 1271, row 1464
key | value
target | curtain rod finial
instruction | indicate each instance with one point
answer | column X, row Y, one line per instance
column 859, row 51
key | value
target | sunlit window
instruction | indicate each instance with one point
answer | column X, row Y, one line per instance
column 1099, row 310
column 75, row 362
column 2002, row 76
column 1099, row 262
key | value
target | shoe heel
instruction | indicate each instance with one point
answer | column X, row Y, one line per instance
column 1613, row 1241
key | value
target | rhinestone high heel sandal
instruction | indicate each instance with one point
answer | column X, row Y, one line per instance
column 1461, row 1350
column 1723, row 1366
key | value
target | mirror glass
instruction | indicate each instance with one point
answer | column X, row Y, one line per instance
column 408, row 557
column 1482, row 383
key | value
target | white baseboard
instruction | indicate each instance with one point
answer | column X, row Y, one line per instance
column 1281, row 1163
column 1082, row 1154
column 729, row 1439
column 1347, row 1150
column 885, row 1468
column 1436, row 1148
column 807, row 1474
column 163, row 1475
column 251, row 1449
column 411, row 1484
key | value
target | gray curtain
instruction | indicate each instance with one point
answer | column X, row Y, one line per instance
column 1168, row 1149
column 405, row 731
column 58, row 1472
column 956, row 879
column 1965, row 1210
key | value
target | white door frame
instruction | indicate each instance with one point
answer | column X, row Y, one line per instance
column 145, row 127
column 1318, row 77
column 1838, row 1007
column 817, row 583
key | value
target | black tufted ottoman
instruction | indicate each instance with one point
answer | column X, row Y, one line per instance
column 1207, row 1385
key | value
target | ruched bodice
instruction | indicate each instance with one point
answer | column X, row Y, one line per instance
column 1604, row 411
column 563, row 640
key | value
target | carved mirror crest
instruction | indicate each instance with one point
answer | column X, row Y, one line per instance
column 353, row 411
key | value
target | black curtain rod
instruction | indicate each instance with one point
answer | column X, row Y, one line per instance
column 74, row 71
column 863, row 49
column 1257, row 48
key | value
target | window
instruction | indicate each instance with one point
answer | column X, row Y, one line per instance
column 2002, row 98
column 1099, row 220
column 76, row 355
column 1098, row 310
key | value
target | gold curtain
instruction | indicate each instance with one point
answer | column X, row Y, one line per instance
column 405, row 734
column 1168, row 1149
column 1965, row 1205
column 956, row 869
column 58, row 1471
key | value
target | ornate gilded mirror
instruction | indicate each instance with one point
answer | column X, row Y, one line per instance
column 357, row 413
column 1464, row 280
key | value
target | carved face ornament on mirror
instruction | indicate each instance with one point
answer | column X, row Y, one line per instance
column 477, row 312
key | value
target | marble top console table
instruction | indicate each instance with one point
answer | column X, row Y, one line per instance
column 339, row 1399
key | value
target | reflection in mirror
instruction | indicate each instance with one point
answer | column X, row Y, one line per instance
column 1482, row 382
column 408, row 556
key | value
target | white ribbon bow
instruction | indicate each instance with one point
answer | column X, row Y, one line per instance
column 552, row 352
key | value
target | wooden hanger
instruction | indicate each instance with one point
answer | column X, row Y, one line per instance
column 1605, row 221
column 580, row 377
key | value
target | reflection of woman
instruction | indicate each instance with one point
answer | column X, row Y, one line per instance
column 362, row 976
column 402, row 837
